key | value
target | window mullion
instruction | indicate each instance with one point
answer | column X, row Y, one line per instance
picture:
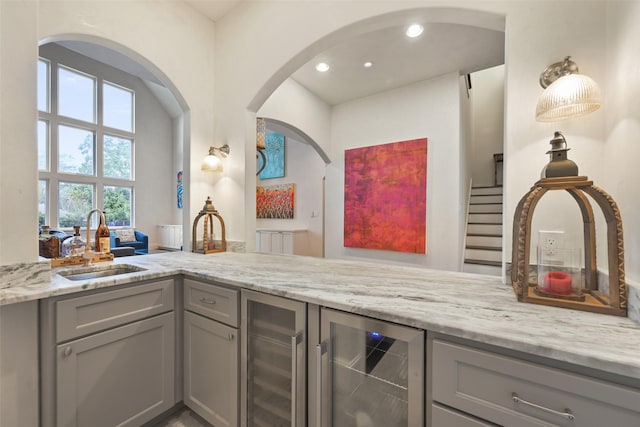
column 97, row 180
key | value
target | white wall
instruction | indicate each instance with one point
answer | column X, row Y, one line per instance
column 249, row 65
column 154, row 156
column 18, row 139
column 536, row 33
column 156, row 35
column 487, row 119
column 428, row 109
column 305, row 169
column 563, row 29
column 295, row 105
column 622, row 111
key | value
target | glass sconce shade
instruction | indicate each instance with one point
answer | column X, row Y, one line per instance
column 569, row 96
column 211, row 163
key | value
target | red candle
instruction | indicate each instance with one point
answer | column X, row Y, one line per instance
column 557, row 282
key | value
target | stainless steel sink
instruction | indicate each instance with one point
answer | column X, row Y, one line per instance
column 88, row 273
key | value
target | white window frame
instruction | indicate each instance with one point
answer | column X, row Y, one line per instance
column 52, row 176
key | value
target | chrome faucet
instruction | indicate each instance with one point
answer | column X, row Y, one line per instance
column 88, row 253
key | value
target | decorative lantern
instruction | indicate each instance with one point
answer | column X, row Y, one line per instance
column 556, row 288
column 209, row 244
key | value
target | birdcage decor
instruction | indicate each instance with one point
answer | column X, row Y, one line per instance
column 589, row 298
column 207, row 243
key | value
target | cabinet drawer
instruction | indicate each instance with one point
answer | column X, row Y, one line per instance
column 214, row 302
column 445, row 417
column 513, row 392
column 80, row 316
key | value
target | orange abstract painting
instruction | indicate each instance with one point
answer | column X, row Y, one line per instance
column 275, row 201
column 385, row 197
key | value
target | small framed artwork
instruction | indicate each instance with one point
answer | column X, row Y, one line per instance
column 275, row 201
column 274, row 156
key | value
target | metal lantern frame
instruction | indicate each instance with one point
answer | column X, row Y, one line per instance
column 595, row 301
column 208, row 212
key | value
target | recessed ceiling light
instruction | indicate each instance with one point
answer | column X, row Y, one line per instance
column 368, row 64
column 414, row 30
column 322, row 67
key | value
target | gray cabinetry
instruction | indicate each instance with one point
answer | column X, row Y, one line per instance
column 211, row 350
column 512, row 392
column 123, row 376
column 108, row 358
column 446, row 417
column 282, row 242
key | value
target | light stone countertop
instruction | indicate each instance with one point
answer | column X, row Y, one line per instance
column 475, row 307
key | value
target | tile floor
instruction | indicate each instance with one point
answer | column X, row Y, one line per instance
column 183, row 418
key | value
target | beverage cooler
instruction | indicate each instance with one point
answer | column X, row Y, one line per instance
column 273, row 361
column 372, row 373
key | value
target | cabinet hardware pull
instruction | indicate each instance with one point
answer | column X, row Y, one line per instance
column 67, row 351
column 295, row 340
column 566, row 414
column 209, row 301
column 231, row 336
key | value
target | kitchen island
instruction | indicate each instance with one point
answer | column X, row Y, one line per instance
column 476, row 308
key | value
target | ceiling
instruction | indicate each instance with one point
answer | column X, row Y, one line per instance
column 213, row 9
column 397, row 60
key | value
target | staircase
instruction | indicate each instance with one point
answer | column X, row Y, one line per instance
column 483, row 250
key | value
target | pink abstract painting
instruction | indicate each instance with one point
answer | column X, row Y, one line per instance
column 385, row 197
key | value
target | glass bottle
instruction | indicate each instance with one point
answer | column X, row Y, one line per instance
column 74, row 245
column 103, row 237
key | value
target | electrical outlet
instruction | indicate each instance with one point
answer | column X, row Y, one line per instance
column 550, row 242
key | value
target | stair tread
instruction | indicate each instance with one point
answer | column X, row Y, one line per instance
column 486, row 186
column 485, row 223
column 484, row 248
column 482, row 262
column 484, row 235
column 485, row 203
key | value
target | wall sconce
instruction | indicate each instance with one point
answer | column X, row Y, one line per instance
column 566, row 284
column 566, row 93
column 261, row 145
column 212, row 162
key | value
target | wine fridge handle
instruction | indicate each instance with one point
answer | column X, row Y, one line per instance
column 319, row 385
column 294, row 379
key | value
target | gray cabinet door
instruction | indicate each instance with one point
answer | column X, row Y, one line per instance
column 211, row 370
column 120, row 377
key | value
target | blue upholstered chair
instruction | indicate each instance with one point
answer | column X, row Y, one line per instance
column 140, row 244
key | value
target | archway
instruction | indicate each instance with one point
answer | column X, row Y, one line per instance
column 428, row 15
column 170, row 158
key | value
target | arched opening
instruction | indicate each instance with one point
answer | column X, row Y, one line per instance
column 127, row 155
column 449, row 152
